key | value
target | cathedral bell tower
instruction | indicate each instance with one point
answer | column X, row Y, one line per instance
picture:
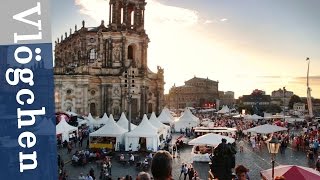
column 127, row 15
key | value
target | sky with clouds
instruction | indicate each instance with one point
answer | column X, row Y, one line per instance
column 245, row 44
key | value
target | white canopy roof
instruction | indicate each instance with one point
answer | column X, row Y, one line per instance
column 293, row 119
column 188, row 116
column 155, row 122
column 110, row 129
column 124, row 122
column 164, row 116
column 104, row 119
column 167, row 111
column 95, row 122
column 253, row 117
column 224, row 110
column 105, row 116
column 145, row 129
column 266, row 129
column 210, row 139
column 64, row 127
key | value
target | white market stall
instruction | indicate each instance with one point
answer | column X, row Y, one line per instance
column 200, row 152
column 143, row 137
column 124, row 122
column 266, row 129
column 165, row 117
column 65, row 131
column 110, row 136
column 93, row 123
column 164, row 130
column 224, row 110
column 187, row 120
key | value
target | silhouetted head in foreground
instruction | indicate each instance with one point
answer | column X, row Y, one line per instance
column 161, row 167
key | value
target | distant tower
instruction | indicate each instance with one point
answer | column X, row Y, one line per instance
column 127, row 14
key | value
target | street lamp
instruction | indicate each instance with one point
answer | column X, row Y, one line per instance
column 284, row 107
column 273, row 148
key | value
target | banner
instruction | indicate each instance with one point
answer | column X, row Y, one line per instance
column 27, row 131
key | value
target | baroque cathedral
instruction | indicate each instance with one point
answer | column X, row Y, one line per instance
column 103, row 69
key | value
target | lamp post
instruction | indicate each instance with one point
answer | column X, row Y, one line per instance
column 273, row 148
column 284, row 107
column 129, row 96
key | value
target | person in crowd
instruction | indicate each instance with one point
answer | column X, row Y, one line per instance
column 241, row 145
column 241, row 173
column 131, row 159
column 185, row 171
column 82, row 177
column 161, row 166
column 191, row 172
column 181, row 170
column 143, row 176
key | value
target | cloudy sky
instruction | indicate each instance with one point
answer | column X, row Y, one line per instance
column 245, row 45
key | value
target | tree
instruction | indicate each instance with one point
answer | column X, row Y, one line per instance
column 294, row 99
column 273, row 108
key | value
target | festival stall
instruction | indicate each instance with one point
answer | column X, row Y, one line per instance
column 64, row 131
column 165, row 117
column 124, row 123
column 163, row 130
column 187, row 120
column 291, row 172
column 266, row 129
column 144, row 137
column 109, row 136
column 203, row 146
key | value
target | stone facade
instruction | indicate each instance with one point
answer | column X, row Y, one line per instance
column 227, row 98
column 281, row 97
column 96, row 68
column 195, row 93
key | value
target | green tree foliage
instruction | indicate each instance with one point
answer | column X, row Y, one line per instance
column 294, row 99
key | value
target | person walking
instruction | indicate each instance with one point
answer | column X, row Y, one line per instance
column 181, row 171
column 185, row 171
column 191, row 172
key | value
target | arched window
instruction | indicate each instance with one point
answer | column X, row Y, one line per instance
column 130, row 52
column 92, row 54
column 79, row 55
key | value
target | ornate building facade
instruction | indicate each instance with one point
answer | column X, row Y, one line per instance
column 197, row 92
column 99, row 69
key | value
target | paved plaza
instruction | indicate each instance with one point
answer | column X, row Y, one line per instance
column 255, row 161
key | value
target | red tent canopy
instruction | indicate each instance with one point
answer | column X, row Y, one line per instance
column 291, row 172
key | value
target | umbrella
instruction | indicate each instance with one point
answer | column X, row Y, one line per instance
column 210, row 139
column 266, row 129
column 291, row 172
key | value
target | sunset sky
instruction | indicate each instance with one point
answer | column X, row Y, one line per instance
column 245, row 45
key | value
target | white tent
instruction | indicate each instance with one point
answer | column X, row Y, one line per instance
column 110, row 129
column 167, row 111
column 224, row 110
column 93, row 122
column 65, row 129
column 254, row 117
column 266, row 129
column 145, row 131
column 187, row 120
column 210, row 139
column 293, row 119
column 124, row 122
column 104, row 119
column 105, row 116
column 164, row 117
column 164, row 129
